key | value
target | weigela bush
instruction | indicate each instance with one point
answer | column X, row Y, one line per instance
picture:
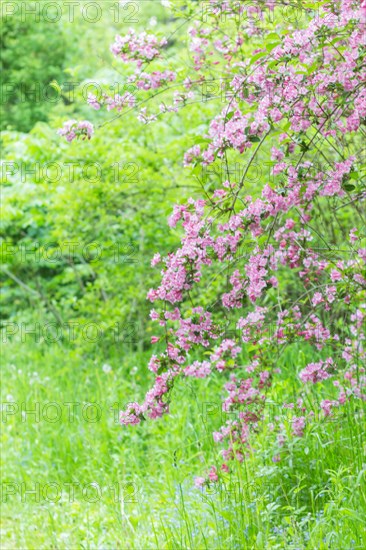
column 293, row 97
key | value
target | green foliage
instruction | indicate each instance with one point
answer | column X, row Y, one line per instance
column 81, row 222
column 33, row 55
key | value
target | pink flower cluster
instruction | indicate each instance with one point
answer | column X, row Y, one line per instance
column 138, row 48
column 73, row 129
column 117, row 102
column 316, row 372
column 156, row 79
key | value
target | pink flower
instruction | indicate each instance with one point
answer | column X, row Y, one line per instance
column 335, row 275
column 93, row 101
column 73, row 129
column 362, row 253
column 352, row 235
column 154, row 80
column 276, row 154
column 212, row 475
column 199, row 481
column 276, row 115
column 315, row 372
column 327, row 406
column 198, row 370
column 132, row 415
column 156, row 259
column 137, row 47
column 317, row 299
column 298, row 426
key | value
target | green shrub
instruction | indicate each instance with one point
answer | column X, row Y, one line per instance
column 33, row 54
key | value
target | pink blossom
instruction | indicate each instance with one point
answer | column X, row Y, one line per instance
column 156, row 259
column 137, row 47
column 317, row 299
column 276, row 154
column 212, row 475
column 315, row 372
column 298, row 426
column 199, row 481
column 73, row 129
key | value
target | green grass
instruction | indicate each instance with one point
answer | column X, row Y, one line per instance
column 313, row 498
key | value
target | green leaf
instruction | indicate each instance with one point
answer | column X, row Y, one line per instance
column 348, row 187
column 55, row 85
column 229, row 116
column 273, row 36
column 257, row 56
column 354, row 175
column 270, row 47
column 200, row 139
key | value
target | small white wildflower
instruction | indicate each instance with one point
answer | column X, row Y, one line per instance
column 106, row 368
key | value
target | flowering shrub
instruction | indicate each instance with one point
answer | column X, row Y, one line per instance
column 288, row 266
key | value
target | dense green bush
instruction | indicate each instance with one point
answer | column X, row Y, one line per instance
column 33, row 55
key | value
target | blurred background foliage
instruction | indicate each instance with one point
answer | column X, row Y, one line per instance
column 81, row 222
column 33, row 53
